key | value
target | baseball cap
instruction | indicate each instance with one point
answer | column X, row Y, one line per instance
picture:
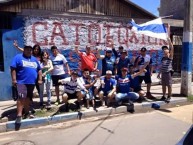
column 109, row 72
column 74, row 73
column 124, row 51
column 108, row 49
column 143, row 49
column 164, row 47
column 124, row 69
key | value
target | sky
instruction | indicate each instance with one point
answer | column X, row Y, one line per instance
column 149, row 5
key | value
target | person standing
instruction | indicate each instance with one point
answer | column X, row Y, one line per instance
column 108, row 61
column 144, row 61
column 122, row 62
column 47, row 67
column 25, row 69
column 166, row 71
column 59, row 64
column 36, row 52
column 88, row 59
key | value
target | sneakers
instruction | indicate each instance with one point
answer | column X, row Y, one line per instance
column 163, row 98
column 167, row 100
column 149, row 96
column 48, row 106
column 18, row 120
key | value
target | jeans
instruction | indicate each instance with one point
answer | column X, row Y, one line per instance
column 48, row 90
column 126, row 96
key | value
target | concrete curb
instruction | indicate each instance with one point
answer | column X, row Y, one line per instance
column 29, row 123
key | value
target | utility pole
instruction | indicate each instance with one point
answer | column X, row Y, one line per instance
column 186, row 67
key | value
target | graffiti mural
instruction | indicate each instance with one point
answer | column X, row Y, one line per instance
column 64, row 33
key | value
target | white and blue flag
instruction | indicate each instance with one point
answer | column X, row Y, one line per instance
column 154, row 28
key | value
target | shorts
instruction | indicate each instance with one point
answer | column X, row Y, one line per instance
column 146, row 79
column 55, row 79
column 166, row 79
column 72, row 96
column 25, row 91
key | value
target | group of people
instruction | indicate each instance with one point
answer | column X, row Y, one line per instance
column 120, row 78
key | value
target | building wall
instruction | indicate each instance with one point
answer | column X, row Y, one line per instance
column 98, row 7
column 172, row 7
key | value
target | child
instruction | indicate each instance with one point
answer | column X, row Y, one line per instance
column 47, row 67
column 89, row 95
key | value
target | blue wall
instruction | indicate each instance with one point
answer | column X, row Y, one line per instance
column 9, row 51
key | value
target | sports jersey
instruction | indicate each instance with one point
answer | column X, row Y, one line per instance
column 58, row 64
column 109, row 84
column 122, row 63
column 142, row 62
column 108, row 63
column 88, row 61
column 26, row 69
column 123, row 83
column 71, row 86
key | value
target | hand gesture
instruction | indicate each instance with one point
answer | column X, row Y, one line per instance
column 15, row 43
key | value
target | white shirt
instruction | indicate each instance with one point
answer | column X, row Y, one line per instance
column 58, row 64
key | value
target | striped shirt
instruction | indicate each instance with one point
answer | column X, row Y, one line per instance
column 71, row 86
column 166, row 64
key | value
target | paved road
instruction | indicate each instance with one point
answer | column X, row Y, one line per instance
column 150, row 128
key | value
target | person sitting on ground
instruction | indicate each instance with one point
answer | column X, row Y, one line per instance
column 88, row 82
column 108, row 88
column 72, row 89
column 166, row 71
column 123, row 86
column 135, row 85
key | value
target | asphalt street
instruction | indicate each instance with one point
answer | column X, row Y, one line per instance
column 150, row 128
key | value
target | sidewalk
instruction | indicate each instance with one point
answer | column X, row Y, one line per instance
column 8, row 106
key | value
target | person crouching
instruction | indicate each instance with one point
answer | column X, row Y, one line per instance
column 72, row 89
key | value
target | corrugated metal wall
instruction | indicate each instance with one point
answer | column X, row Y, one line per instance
column 99, row 7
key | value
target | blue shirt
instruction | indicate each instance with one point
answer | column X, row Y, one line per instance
column 108, row 63
column 109, row 84
column 26, row 69
column 135, row 82
column 122, row 63
column 123, row 84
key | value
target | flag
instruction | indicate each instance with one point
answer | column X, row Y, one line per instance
column 154, row 28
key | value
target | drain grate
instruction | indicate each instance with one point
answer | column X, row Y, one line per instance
column 20, row 142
